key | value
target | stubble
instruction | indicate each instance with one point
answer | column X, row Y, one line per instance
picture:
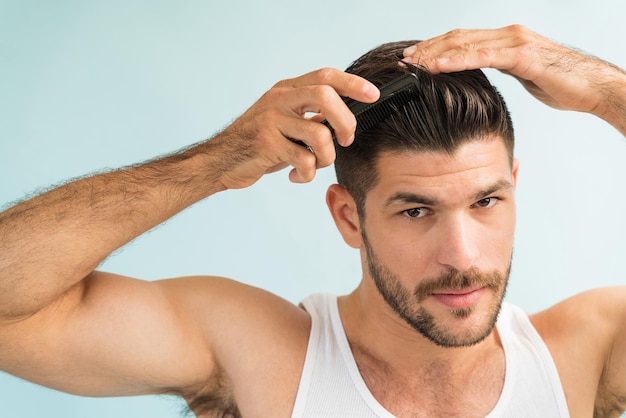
column 408, row 304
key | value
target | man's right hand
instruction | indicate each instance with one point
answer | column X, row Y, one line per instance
column 262, row 139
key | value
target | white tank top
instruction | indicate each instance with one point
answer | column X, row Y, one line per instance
column 331, row 385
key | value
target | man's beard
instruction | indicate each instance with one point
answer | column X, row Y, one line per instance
column 406, row 303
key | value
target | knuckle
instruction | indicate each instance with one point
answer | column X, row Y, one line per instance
column 325, row 93
column 455, row 37
column 319, row 138
column 522, row 37
column 325, row 156
column 324, row 135
column 306, row 167
column 326, row 75
column 517, row 29
column 424, row 48
column 274, row 94
column 283, row 83
column 317, row 135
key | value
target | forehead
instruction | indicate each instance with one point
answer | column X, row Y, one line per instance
column 474, row 166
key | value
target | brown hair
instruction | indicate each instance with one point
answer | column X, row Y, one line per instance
column 450, row 110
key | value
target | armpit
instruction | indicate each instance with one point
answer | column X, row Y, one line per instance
column 611, row 406
column 213, row 400
column 610, row 401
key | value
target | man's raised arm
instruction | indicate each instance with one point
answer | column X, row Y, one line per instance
column 558, row 76
column 51, row 244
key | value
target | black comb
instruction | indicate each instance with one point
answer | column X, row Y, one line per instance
column 394, row 96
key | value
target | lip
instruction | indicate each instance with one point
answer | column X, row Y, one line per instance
column 459, row 299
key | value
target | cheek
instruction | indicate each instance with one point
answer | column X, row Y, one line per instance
column 402, row 247
column 498, row 238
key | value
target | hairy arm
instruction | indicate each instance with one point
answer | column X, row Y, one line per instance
column 51, row 242
column 64, row 325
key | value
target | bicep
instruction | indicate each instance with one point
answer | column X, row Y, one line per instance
column 108, row 336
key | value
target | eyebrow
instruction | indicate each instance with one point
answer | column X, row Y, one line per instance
column 502, row 185
column 413, row 198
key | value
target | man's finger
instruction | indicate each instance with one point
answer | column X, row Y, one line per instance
column 324, row 100
column 471, row 49
column 314, row 137
column 345, row 84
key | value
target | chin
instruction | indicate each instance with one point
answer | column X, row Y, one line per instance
column 457, row 327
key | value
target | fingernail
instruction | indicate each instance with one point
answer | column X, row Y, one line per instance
column 294, row 176
column 444, row 60
column 370, row 90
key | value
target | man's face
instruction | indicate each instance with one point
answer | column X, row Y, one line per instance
column 438, row 237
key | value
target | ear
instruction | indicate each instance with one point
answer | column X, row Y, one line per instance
column 514, row 171
column 343, row 210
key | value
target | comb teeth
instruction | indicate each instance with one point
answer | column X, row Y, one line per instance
column 395, row 96
column 383, row 109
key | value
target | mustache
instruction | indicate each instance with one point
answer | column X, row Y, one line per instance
column 455, row 280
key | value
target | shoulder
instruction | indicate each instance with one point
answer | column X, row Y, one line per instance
column 586, row 335
column 598, row 313
column 607, row 301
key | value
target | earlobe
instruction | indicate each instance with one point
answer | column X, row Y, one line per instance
column 343, row 210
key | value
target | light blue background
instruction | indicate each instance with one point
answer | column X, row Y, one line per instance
column 86, row 86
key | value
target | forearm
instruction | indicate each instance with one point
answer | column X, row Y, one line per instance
column 49, row 243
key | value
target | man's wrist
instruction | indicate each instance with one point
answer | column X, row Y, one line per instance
column 612, row 108
column 193, row 174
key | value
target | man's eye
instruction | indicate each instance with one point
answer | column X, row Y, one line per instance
column 415, row 212
column 486, row 202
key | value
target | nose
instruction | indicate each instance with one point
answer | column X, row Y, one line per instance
column 458, row 247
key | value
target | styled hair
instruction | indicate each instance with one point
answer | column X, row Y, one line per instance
column 451, row 110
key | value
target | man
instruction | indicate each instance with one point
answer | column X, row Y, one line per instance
column 434, row 227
